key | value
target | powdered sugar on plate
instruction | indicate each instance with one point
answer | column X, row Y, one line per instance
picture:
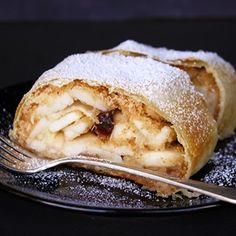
column 221, row 169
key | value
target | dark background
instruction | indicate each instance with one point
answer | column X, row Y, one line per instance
column 27, row 49
column 35, row 35
column 113, row 10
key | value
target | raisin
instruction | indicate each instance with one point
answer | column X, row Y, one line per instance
column 105, row 124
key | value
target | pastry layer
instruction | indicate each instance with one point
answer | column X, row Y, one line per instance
column 211, row 75
column 206, row 85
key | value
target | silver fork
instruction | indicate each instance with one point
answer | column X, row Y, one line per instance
column 15, row 158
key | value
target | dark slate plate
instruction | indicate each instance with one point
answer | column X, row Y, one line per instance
column 84, row 190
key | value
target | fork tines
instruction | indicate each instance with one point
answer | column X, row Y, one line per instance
column 10, row 153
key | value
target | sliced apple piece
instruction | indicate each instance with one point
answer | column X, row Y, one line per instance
column 161, row 158
column 38, row 128
column 80, row 127
column 59, row 103
column 64, row 121
column 89, row 98
column 156, row 139
column 88, row 111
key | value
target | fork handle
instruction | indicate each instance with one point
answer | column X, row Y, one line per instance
column 225, row 194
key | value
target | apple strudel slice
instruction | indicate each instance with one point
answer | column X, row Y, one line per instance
column 136, row 111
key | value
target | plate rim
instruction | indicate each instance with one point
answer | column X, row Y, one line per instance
column 106, row 210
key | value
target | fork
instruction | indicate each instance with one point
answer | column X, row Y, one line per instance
column 18, row 159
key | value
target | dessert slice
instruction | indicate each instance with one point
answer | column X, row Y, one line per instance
column 134, row 111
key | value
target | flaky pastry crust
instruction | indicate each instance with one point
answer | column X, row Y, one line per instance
column 165, row 90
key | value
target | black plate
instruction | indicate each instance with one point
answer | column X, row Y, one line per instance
column 84, row 190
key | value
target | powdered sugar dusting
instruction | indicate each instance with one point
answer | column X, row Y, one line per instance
column 170, row 55
column 6, row 116
column 221, row 169
column 222, row 71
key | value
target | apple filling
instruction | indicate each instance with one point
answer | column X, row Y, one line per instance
column 81, row 119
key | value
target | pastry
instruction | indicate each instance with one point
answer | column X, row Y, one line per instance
column 212, row 76
column 131, row 110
